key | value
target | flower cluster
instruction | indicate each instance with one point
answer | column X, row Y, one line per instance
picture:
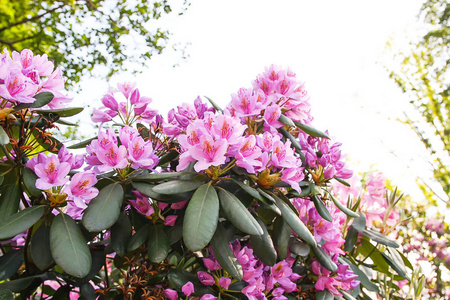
column 24, row 75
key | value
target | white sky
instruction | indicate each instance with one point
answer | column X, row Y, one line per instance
column 335, row 46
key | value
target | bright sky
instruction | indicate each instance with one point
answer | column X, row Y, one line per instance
column 335, row 46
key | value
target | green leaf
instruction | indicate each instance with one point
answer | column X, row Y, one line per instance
column 263, row 246
column 238, row 214
column 82, row 144
column 104, row 210
column 177, row 278
column 42, row 99
column 29, row 182
column 139, row 238
column 380, row 238
column 322, row 209
column 359, row 223
column 214, row 104
column 294, row 222
column 9, row 200
column 18, row 285
column 176, row 187
column 286, row 120
column 120, row 234
column 340, row 180
column 157, row 176
column 10, row 262
column 158, row 244
column 4, row 138
column 347, row 295
column 281, row 235
column 68, row 247
column 351, row 238
column 251, row 191
column 365, row 281
column 62, row 112
column 168, row 157
column 396, row 262
column 299, row 248
column 201, row 216
column 266, row 196
column 40, row 247
column 224, row 255
column 310, row 130
column 293, row 140
column 67, row 123
column 344, row 209
column 324, row 259
column 6, row 294
column 324, row 295
column 21, row 221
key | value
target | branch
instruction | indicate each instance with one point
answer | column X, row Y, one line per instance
column 31, row 19
column 9, row 44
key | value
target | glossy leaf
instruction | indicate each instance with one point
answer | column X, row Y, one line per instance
column 62, row 112
column 147, row 189
column 177, row 278
column 40, row 247
column 322, row 209
column 214, row 104
column 293, row 140
column 365, row 281
column 157, row 176
column 299, row 248
column 351, row 238
column 139, row 238
column 251, row 191
column 344, row 209
column 82, row 144
column 19, row 222
column 68, row 246
column 10, row 262
column 286, row 120
column 396, row 262
column 120, row 234
column 9, row 201
column 104, row 210
column 266, row 196
column 4, row 138
column 324, row 295
column 6, row 294
column 238, row 214
column 158, row 244
column 224, row 255
column 380, row 238
column 310, row 130
column 281, row 235
column 294, row 222
column 342, row 181
column 359, row 223
column 42, row 99
column 324, row 259
column 201, row 217
column 176, row 187
column 29, row 182
column 263, row 247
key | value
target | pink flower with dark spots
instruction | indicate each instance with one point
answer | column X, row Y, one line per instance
column 248, row 155
column 51, row 173
column 126, row 88
column 81, row 188
column 209, row 152
column 271, row 116
column 112, row 157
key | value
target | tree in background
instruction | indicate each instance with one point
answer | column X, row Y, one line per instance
column 424, row 76
column 80, row 34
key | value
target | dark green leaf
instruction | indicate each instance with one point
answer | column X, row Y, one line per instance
column 4, row 138
column 62, row 112
column 310, row 130
column 68, row 247
column 380, row 238
column 299, row 248
column 42, row 99
column 98, row 261
column 120, row 234
column 324, row 259
column 139, row 238
column 347, row 295
column 359, row 223
column 295, row 223
column 176, row 187
column 251, row 191
column 340, row 180
column 104, row 210
column 324, row 295
column 10, row 262
column 201, row 216
column 365, row 281
column 157, row 176
column 67, row 123
column 293, row 140
column 224, row 255
column 18, row 285
column 263, row 246
column 147, row 189
column 351, row 239
column 238, row 214
column 21, row 221
column 281, row 235
column 396, row 262
column 82, row 144
column 322, row 209
column 177, row 278
column 158, row 244
column 168, row 157
column 9, row 200
column 286, row 120
column 344, row 209
column 29, row 182
column 266, row 196
column 6, row 294
column 40, row 247
column 88, row 292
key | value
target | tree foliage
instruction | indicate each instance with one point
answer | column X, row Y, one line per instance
column 80, row 34
column 424, row 77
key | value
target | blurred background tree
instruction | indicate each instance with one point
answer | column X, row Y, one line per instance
column 80, row 34
column 424, row 75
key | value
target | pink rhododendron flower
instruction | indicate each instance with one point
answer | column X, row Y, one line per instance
column 170, row 220
column 51, row 173
column 208, row 297
column 205, row 278
column 209, row 152
column 142, row 204
column 188, row 288
column 225, row 282
column 81, row 188
column 171, row 294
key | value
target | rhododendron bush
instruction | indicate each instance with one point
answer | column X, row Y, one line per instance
column 245, row 202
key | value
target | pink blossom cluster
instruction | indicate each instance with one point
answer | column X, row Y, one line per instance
column 322, row 153
column 133, row 108
column 276, row 91
column 24, row 75
column 373, row 199
column 105, row 154
column 52, row 172
column 343, row 279
column 187, row 289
